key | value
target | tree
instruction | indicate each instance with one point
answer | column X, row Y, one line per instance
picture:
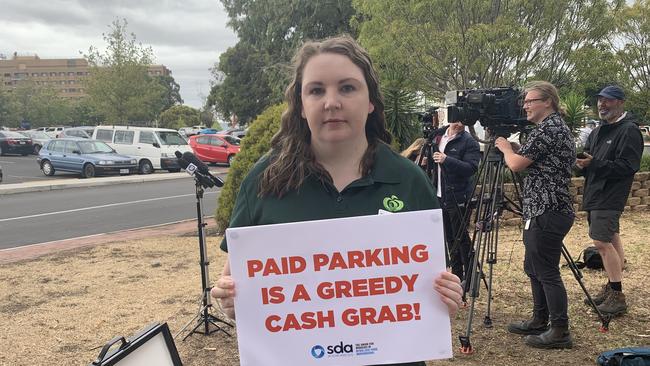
column 253, row 75
column 207, row 118
column 632, row 47
column 244, row 90
column 6, row 109
column 179, row 116
column 172, row 94
column 38, row 104
column 575, row 113
column 82, row 113
column 447, row 44
column 401, row 107
column 119, row 86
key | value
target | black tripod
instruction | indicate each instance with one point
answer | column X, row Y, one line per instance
column 204, row 318
column 489, row 203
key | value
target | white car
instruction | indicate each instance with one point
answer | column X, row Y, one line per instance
column 190, row 131
column 52, row 131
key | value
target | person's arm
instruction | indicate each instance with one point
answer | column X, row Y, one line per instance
column 514, row 161
column 627, row 159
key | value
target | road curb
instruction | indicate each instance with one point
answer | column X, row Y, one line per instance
column 34, row 251
column 14, row 188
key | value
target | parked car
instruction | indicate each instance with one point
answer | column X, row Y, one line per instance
column 52, row 131
column 88, row 129
column 75, row 132
column 84, row 156
column 39, row 139
column 237, row 132
column 208, row 131
column 15, row 143
column 215, row 148
column 153, row 147
column 190, row 131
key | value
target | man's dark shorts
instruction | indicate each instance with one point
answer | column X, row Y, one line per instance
column 603, row 224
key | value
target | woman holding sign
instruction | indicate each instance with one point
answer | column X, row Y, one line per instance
column 331, row 157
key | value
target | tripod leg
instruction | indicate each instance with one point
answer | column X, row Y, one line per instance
column 187, row 325
column 604, row 328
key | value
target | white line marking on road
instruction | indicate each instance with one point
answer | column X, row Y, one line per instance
column 20, row 176
column 97, row 207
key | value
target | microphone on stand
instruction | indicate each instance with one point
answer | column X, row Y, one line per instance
column 200, row 172
column 202, row 168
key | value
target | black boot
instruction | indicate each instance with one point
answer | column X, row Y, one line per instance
column 556, row 337
column 526, row 327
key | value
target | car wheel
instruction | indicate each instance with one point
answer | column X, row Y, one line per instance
column 88, row 171
column 37, row 148
column 145, row 167
column 231, row 158
column 47, row 168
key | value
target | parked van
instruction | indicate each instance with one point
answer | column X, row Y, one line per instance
column 153, row 147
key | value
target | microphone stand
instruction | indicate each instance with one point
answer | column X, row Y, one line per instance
column 204, row 318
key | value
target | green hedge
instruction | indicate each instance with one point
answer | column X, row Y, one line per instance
column 255, row 144
column 645, row 163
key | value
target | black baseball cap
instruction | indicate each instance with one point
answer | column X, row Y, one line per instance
column 612, row 92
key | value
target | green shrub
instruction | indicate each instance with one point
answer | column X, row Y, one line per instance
column 645, row 163
column 254, row 145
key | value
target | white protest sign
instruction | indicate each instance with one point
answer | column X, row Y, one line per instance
column 351, row 291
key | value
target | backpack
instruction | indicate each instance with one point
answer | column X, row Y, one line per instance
column 632, row 356
column 590, row 259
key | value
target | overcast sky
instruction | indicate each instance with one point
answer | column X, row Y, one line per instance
column 187, row 36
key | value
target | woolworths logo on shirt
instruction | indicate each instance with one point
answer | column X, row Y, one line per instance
column 393, row 204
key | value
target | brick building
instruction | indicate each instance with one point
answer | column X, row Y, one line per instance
column 64, row 75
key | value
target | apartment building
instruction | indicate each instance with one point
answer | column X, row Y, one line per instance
column 64, row 75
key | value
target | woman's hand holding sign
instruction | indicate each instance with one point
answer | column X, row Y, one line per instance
column 450, row 290
column 224, row 292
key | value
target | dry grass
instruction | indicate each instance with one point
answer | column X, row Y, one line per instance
column 56, row 310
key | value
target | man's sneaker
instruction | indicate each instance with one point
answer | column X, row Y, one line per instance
column 600, row 297
column 556, row 337
column 614, row 304
column 527, row 327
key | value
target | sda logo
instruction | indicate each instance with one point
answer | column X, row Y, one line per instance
column 340, row 348
column 318, row 351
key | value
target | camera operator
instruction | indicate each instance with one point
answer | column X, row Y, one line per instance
column 548, row 156
column 457, row 160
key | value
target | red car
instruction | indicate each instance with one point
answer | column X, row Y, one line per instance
column 215, row 148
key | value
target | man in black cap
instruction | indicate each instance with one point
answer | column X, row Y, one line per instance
column 612, row 155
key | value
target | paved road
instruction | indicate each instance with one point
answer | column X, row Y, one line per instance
column 37, row 217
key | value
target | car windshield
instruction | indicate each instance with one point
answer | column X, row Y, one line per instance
column 94, row 147
column 232, row 140
column 170, row 138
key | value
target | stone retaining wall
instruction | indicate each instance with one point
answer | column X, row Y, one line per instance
column 638, row 200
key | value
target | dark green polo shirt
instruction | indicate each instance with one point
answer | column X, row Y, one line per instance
column 394, row 184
